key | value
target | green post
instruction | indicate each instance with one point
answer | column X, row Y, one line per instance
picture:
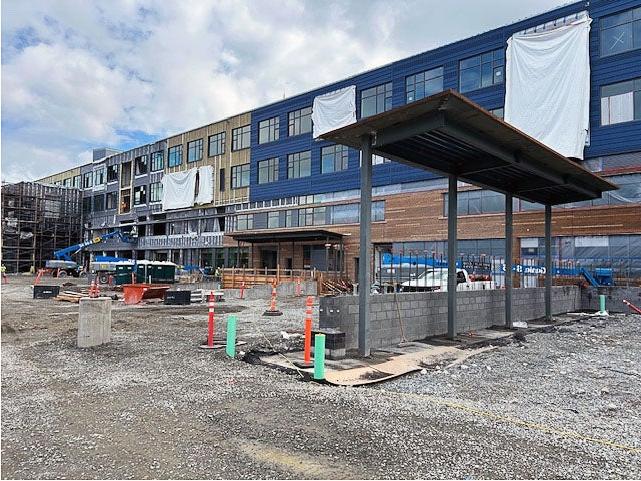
column 601, row 303
column 319, row 356
column 231, row 336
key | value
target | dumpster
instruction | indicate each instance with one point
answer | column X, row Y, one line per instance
column 155, row 272
column 134, row 293
column 123, row 273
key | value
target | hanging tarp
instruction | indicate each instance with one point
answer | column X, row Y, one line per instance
column 334, row 110
column 547, row 89
column 179, row 189
column 205, row 185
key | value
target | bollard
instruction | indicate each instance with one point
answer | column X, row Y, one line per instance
column 319, row 356
column 298, row 290
column 210, row 326
column 242, row 290
column 133, row 278
column 602, row 311
column 231, row 335
column 272, row 311
column 308, row 330
column 111, row 280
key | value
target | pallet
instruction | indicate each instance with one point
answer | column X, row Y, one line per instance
column 71, row 296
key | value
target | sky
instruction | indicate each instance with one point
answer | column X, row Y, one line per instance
column 80, row 74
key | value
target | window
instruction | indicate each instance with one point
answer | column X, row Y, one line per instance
column 155, row 192
column 621, row 32
column 157, row 161
column 273, row 220
column 221, row 180
column 350, row 213
column 66, row 182
column 111, row 200
column 194, row 150
column 300, row 121
column 112, row 173
column 423, row 84
column 498, row 112
column 86, row 205
column 267, row 171
column 175, row 155
column 379, row 159
column 87, row 180
column 245, row 222
column 291, row 218
column 76, row 181
column 334, row 158
column 99, row 176
column 481, row 71
column 99, row 203
column 621, row 102
column 217, row 144
column 141, row 165
column 299, row 165
column 376, row 100
column 140, row 195
column 473, row 202
column 125, row 174
column 240, row 176
column 268, row 130
column 240, row 137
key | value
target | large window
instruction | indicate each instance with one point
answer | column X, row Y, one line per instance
column 141, row 165
column 300, row 121
column 99, row 176
column 621, row 102
column 155, row 192
column 76, row 181
column 175, row 155
column 112, row 173
column 299, row 165
column 268, row 130
column 87, row 180
column 472, row 202
column 217, row 144
column 99, row 203
column 140, row 195
column 195, row 150
column 423, row 84
column 334, row 158
column 240, row 137
column 112, row 200
column 240, row 176
column 245, row 222
column 267, row 171
column 481, row 71
column 376, row 100
column 157, row 161
column 273, row 220
column 621, row 32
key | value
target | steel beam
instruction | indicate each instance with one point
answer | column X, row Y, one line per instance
column 420, row 126
column 508, row 260
column 548, row 262
column 452, row 212
column 364, row 281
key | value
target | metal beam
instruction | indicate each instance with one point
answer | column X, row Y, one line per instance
column 508, row 260
column 452, row 209
column 548, row 262
column 420, row 126
column 364, row 282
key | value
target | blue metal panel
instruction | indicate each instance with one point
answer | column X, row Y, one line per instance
column 604, row 140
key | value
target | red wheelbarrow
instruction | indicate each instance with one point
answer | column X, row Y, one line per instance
column 134, row 293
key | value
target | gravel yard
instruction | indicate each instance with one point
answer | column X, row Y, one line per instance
column 561, row 404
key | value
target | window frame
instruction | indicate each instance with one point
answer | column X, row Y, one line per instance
column 271, row 166
column 270, row 128
column 219, row 139
column 240, row 176
column 481, row 62
column 299, row 164
column 343, row 160
column 157, row 161
column 299, row 119
column 238, row 137
column 155, row 192
column 384, row 97
column 195, row 147
column 143, row 196
column 177, row 150
column 414, row 80
column 636, row 101
column 635, row 16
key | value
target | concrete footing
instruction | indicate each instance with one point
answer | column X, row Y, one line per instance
column 94, row 321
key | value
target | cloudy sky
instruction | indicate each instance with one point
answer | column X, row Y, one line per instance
column 79, row 74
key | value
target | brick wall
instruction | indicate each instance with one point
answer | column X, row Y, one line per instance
column 425, row 313
column 613, row 298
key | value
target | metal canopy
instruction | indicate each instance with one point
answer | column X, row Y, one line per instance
column 449, row 134
column 271, row 236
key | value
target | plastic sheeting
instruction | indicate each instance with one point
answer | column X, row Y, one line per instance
column 179, row 189
column 334, row 110
column 205, row 185
column 547, row 90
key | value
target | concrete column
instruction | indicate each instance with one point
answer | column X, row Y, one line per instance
column 364, row 280
column 508, row 260
column 94, row 321
column 548, row 262
column 452, row 213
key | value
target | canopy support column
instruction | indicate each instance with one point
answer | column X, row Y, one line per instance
column 365, row 247
column 452, row 212
column 508, row 260
column 548, row 262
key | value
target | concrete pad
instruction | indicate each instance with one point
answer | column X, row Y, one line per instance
column 94, row 321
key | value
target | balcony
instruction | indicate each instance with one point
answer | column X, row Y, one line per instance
column 181, row 241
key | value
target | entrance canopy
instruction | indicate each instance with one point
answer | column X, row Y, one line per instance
column 271, row 236
column 449, row 134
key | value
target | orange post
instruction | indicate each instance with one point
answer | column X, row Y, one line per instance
column 272, row 306
column 242, row 290
column 210, row 327
column 272, row 311
column 298, row 290
column 308, row 330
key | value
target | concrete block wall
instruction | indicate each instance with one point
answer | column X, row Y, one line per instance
column 424, row 314
column 613, row 298
column 284, row 289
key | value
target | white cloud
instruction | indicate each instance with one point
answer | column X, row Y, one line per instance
column 83, row 74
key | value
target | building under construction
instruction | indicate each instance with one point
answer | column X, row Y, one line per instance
column 37, row 220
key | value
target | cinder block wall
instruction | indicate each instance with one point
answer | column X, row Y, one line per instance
column 614, row 298
column 424, row 314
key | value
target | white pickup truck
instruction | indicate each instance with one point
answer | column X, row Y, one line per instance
column 436, row 280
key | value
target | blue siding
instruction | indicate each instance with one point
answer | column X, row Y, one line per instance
column 604, row 140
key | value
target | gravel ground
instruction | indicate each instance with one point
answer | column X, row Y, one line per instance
column 563, row 404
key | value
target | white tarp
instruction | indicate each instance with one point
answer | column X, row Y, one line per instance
column 547, row 89
column 205, row 185
column 179, row 189
column 334, row 110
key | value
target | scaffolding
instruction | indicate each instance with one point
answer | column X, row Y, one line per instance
column 37, row 220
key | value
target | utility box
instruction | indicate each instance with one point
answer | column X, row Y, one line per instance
column 155, row 272
column 45, row 292
column 180, row 298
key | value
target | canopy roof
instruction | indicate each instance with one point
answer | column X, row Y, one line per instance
column 271, row 236
column 449, row 134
